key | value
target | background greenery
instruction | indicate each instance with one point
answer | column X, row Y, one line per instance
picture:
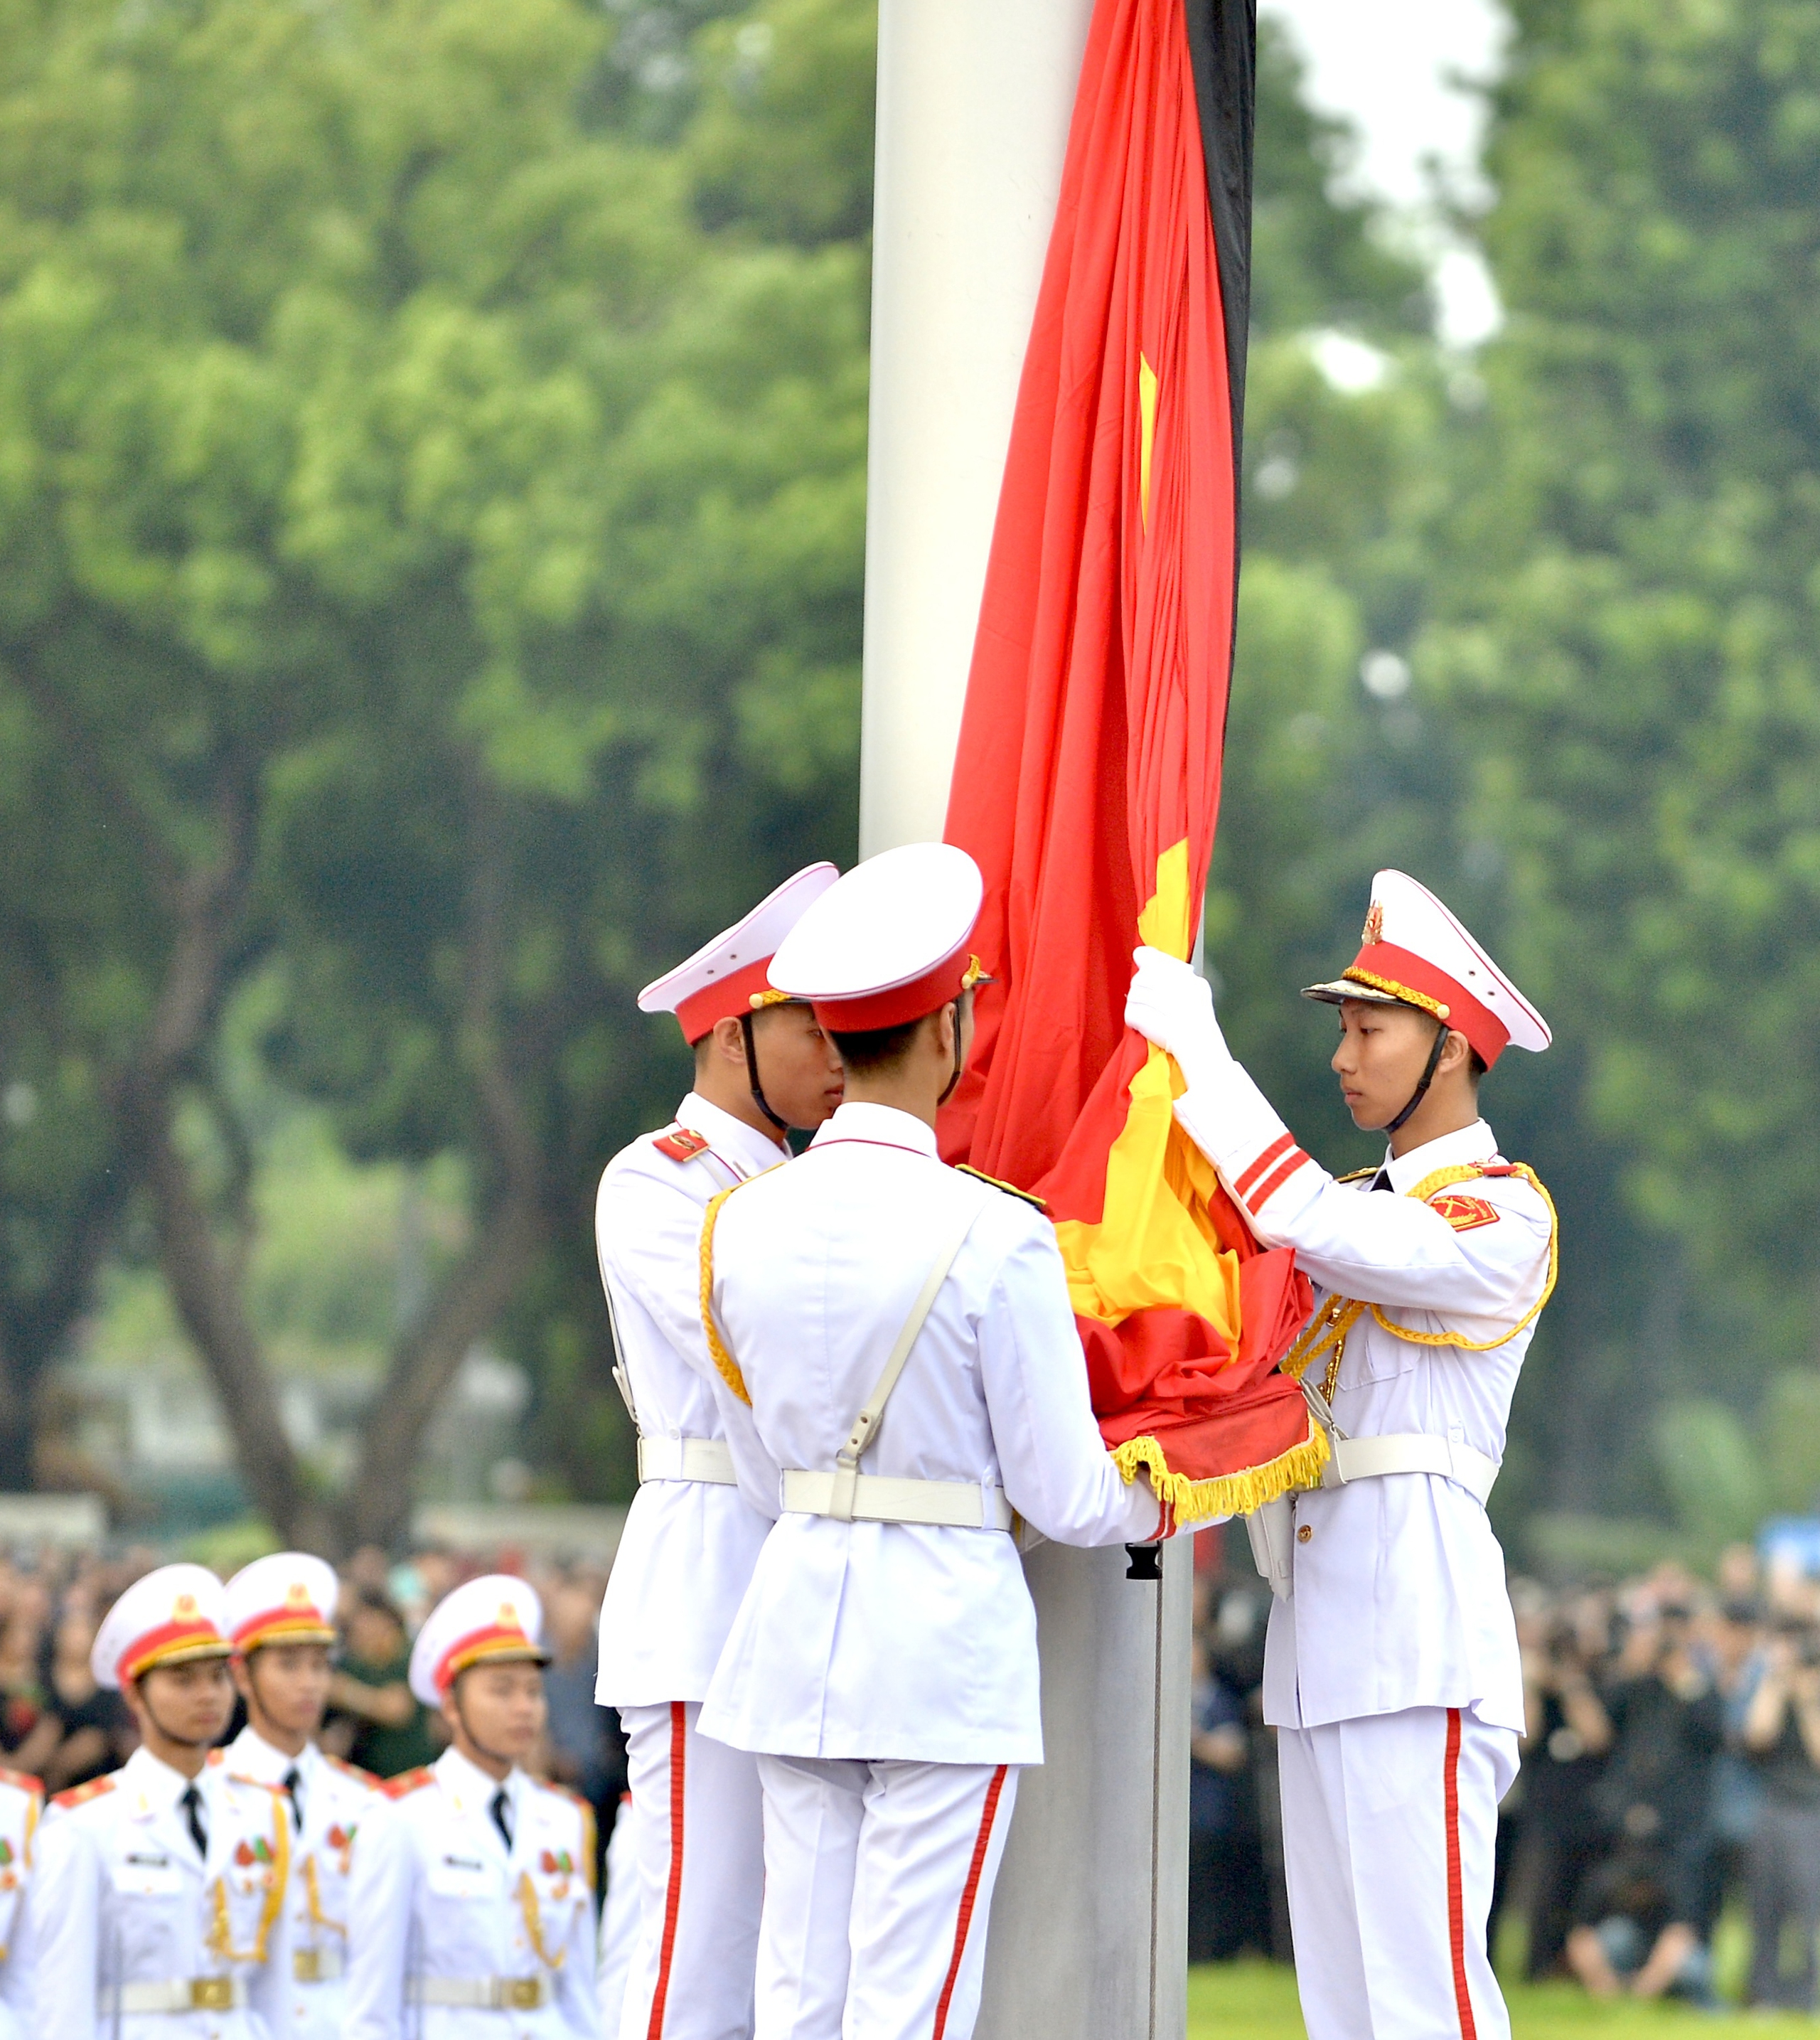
column 432, row 497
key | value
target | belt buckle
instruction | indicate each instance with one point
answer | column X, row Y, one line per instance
column 307, row 1965
column 211, row 1993
column 524, row 1993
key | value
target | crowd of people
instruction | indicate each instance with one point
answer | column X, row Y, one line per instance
column 57, row 1724
column 1670, row 1773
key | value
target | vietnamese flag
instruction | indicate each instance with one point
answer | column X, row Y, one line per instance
column 1088, row 775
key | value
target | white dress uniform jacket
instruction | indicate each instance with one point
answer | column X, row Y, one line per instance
column 128, row 1919
column 21, row 1803
column 688, row 1546
column 894, row 1640
column 335, row 1798
column 1399, row 1598
column 441, row 1910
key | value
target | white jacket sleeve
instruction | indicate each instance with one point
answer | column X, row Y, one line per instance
column 382, row 1916
column 1054, row 1465
column 665, row 1277
column 66, row 1899
column 1396, row 1251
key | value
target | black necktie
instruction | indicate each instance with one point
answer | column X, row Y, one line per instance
column 1382, row 1180
column 191, row 1804
column 294, row 1786
column 502, row 1808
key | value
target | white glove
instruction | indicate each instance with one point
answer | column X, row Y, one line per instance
column 1172, row 1004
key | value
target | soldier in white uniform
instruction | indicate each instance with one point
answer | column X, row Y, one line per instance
column 883, row 1664
column 157, row 1906
column 21, row 1803
column 1392, row 1671
column 281, row 1622
column 761, row 1067
column 471, row 1909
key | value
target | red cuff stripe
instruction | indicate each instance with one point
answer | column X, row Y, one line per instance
column 1280, row 1146
column 1276, row 1182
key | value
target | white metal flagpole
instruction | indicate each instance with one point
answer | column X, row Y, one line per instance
column 1088, row 1937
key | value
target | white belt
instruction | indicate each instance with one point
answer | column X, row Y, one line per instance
column 685, row 1458
column 480, row 1993
column 954, row 1504
column 222, row 1993
column 323, row 1964
column 1410, row 1451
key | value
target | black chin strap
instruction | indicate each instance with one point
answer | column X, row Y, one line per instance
column 1429, row 1068
column 948, row 1088
column 182, row 1741
column 758, row 1096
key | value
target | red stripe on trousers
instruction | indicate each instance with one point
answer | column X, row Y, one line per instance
column 1280, row 1146
column 970, row 1891
column 673, row 1894
column 1456, row 1893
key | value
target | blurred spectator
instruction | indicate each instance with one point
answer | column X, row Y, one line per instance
column 1568, row 1736
column 1781, row 1734
column 29, row 1733
column 1225, row 1914
column 1630, row 1937
column 1655, row 1798
column 384, row 1728
column 97, row 1727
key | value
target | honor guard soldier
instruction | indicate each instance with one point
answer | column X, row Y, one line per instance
column 281, row 1622
column 21, row 1802
column 762, row 1066
column 471, row 1908
column 883, row 1664
column 1391, row 1673
column 158, row 1907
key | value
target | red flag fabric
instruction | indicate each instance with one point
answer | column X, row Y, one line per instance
column 1087, row 778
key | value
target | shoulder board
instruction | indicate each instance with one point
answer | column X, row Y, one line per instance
column 353, row 1770
column 1010, row 1190
column 23, row 1781
column 80, row 1795
column 406, row 1782
column 1358, row 1176
column 681, row 1145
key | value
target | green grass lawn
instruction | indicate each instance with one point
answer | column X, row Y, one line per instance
column 1256, row 2001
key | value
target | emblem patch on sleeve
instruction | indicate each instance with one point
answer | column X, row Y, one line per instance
column 1464, row 1214
column 680, row 1144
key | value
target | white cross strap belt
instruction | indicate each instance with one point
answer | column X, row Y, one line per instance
column 953, row 1504
column 529, row 1993
column 685, row 1458
column 848, row 1495
column 216, row 1993
column 317, row 1964
column 1410, row 1451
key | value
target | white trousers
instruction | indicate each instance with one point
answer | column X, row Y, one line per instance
column 619, row 1919
column 698, row 1837
column 1389, row 1827
column 878, row 1881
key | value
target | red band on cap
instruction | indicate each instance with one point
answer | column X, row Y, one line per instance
column 165, row 1641
column 902, row 1003
column 309, row 1624
column 493, row 1641
column 1482, row 1028
column 725, row 999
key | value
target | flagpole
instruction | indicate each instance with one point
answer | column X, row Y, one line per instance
column 1087, row 1938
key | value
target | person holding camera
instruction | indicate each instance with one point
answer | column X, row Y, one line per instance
column 1781, row 1737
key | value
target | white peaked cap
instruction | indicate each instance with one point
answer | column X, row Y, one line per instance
column 1415, row 953
column 496, row 1618
column 728, row 977
column 172, row 1616
column 289, row 1598
column 887, row 942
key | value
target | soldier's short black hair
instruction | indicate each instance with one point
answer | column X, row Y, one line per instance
column 877, row 1048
